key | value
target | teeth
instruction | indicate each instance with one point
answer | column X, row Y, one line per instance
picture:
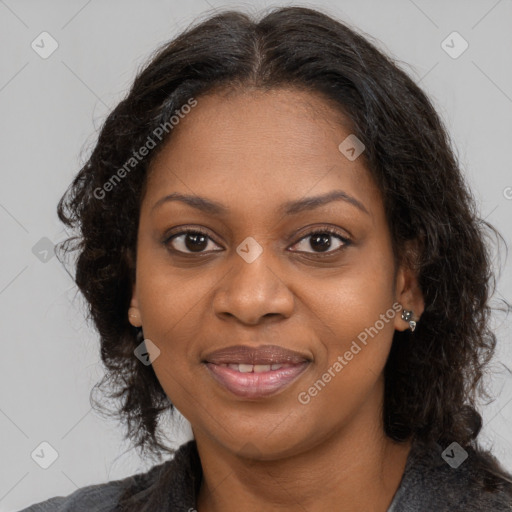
column 256, row 368
column 261, row 368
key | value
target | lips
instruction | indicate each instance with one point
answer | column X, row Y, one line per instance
column 265, row 355
column 255, row 373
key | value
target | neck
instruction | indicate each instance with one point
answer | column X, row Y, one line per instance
column 355, row 469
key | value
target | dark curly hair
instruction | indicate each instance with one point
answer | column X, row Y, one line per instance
column 432, row 376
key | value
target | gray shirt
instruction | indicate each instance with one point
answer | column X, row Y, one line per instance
column 428, row 484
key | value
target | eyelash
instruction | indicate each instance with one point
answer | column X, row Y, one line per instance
column 318, row 231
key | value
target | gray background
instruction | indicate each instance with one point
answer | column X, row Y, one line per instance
column 51, row 109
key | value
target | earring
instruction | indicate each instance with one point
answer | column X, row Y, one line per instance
column 407, row 315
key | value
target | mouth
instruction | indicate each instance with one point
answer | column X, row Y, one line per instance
column 255, row 373
column 256, row 368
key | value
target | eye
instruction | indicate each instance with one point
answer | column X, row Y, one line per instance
column 194, row 241
column 321, row 240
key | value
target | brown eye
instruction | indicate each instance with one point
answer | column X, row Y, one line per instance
column 321, row 241
column 189, row 242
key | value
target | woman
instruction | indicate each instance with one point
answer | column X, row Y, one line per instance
column 276, row 239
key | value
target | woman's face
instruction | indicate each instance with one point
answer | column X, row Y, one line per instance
column 259, row 276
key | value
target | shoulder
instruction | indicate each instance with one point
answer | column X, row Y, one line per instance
column 99, row 497
column 95, row 498
column 453, row 478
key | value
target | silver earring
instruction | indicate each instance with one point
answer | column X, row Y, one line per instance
column 407, row 315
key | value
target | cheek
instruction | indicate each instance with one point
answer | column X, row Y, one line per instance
column 350, row 363
column 172, row 309
column 354, row 317
column 171, row 299
column 357, row 331
column 354, row 300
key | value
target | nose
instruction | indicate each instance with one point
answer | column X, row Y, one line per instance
column 253, row 290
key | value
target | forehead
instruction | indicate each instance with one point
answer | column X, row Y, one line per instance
column 260, row 147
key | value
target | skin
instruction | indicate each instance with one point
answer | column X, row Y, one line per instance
column 252, row 151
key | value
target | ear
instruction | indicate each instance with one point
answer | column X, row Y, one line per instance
column 134, row 316
column 407, row 289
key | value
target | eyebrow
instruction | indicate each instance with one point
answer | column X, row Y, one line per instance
column 289, row 208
